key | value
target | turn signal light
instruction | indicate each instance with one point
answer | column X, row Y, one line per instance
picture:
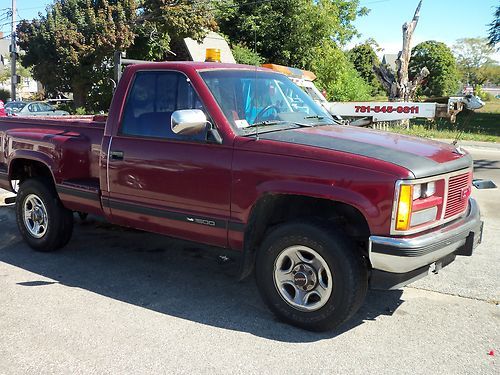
column 404, row 207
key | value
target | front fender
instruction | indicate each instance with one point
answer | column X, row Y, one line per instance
column 316, row 190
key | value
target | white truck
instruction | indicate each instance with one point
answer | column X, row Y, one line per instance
column 368, row 113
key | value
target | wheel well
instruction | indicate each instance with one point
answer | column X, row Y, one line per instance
column 274, row 209
column 22, row 169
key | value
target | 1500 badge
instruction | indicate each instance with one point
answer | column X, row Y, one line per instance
column 210, row 223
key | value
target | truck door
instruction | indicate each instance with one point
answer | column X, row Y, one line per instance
column 163, row 182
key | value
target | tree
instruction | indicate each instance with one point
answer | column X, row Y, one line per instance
column 399, row 86
column 473, row 55
column 437, row 57
column 491, row 73
column 23, row 72
column 364, row 59
column 163, row 24
column 244, row 55
column 74, row 42
column 494, row 37
column 288, row 32
column 337, row 75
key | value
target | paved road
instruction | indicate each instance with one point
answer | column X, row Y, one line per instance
column 117, row 301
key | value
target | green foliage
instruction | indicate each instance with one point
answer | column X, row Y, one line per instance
column 74, row 42
column 80, row 111
column 163, row 24
column 36, row 96
column 444, row 78
column 4, row 95
column 494, row 36
column 288, row 32
column 71, row 47
column 244, row 55
column 21, row 71
column 66, row 106
column 485, row 96
column 490, row 73
column 337, row 75
column 473, row 55
column 364, row 58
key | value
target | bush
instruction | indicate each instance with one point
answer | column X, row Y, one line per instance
column 244, row 55
column 437, row 57
column 4, row 95
column 364, row 59
column 336, row 74
column 37, row 96
column 65, row 106
column 485, row 96
column 80, row 111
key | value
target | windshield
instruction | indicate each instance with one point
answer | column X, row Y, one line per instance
column 250, row 97
column 16, row 105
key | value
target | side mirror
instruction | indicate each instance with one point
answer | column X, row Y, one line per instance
column 188, row 121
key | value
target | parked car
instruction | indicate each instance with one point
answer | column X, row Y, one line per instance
column 22, row 108
column 241, row 158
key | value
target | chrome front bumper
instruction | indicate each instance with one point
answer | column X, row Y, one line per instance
column 407, row 254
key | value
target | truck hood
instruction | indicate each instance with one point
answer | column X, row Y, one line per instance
column 422, row 157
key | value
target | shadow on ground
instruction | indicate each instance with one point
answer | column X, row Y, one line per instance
column 187, row 281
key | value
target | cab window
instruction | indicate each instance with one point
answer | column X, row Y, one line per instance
column 153, row 98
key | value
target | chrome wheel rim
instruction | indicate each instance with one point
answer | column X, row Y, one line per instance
column 35, row 216
column 303, row 278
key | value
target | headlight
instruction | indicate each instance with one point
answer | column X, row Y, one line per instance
column 424, row 190
column 417, row 191
column 430, row 189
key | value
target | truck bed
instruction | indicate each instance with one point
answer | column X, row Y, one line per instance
column 71, row 143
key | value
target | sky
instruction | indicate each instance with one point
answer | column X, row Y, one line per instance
column 441, row 20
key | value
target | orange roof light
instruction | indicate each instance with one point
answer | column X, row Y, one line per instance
column 212, row 55
column 291, row 72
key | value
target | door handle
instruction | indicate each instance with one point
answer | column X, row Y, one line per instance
column 116, row 155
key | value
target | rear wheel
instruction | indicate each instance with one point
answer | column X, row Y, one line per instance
column 43, row 221
column 311, row 276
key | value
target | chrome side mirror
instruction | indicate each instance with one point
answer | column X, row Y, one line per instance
column 188, row 121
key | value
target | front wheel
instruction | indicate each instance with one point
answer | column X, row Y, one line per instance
column 43, row 221
column 311, row 276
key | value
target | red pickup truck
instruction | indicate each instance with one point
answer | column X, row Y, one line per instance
column 240, row 157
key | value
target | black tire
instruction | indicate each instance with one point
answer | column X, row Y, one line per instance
column 60, row 220
column 347, row 268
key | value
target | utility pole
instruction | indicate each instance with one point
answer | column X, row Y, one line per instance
column 13, row 54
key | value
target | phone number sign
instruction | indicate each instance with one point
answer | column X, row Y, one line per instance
column 384, row 111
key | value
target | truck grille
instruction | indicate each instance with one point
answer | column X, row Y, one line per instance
column 458, row 194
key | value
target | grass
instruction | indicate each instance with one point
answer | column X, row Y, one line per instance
column 480, row 125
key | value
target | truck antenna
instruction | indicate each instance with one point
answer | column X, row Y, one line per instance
column 255, row 80
column 461, row 128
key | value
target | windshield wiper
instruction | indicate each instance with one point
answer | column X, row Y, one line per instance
column 266, row 123
column 318, row 117
column 279, row 122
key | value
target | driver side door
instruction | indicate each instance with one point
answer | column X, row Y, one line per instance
column 163, row 182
